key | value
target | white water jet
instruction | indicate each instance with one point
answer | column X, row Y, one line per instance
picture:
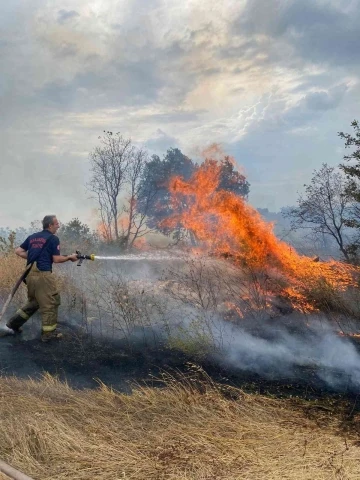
column 137, row 257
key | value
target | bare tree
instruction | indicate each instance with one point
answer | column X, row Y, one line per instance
column 106, row 216
column 324, row 207
column 136, row 226
column 109, row 164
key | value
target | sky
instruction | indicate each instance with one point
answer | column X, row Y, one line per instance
column 273, row 82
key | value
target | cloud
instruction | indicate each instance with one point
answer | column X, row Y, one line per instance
column 117, row 84
column 323, row 100
column 179, row 116
column 276, row 18
column 317, row 31
column 65, row 15
column 269, row 80
column 160, row 142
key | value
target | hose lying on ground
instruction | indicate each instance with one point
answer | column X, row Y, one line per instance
column 12, row 472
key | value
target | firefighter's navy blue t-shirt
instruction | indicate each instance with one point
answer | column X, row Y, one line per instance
column 35, row 242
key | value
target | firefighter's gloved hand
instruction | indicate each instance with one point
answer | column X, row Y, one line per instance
column 73, row 257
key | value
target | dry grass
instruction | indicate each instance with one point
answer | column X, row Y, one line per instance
column 11, row 267
column 189, row 430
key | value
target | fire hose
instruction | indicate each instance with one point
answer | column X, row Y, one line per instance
column 23, row 276
column 12, row 472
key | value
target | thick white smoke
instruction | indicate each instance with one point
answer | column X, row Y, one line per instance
column 277, row 352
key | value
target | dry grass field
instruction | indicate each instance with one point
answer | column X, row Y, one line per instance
column 189, row 429
column 192, row 429
column 11, row 267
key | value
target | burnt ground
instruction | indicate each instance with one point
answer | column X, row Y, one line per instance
column 83, row 361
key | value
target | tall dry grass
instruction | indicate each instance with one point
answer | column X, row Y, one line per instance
column 188, row 430
column 11, row 267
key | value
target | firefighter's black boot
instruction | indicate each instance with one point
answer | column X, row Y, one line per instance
column 16, row 322
column 51, row 336
column 6, row 331
column 22, row 316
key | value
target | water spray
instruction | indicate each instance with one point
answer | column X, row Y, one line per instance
column 134, row 257
column 137, row 257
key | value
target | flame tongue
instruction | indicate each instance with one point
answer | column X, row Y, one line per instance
column 226, row 224
column 224, row 221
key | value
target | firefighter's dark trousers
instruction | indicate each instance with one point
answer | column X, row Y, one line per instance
column 43, row 295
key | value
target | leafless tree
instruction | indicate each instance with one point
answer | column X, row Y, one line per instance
column 106, row 217
column 324, row 207
column 109, row 164
column 136, row 220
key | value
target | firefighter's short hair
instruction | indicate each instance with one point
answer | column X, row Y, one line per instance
column 47, row 221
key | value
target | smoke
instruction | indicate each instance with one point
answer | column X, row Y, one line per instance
column 277, row 352
column 132, row 303
column 136, row 292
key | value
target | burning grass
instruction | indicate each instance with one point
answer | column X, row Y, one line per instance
column 227, row 226
column 190, row 429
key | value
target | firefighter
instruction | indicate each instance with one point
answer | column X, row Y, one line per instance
column 43, row 294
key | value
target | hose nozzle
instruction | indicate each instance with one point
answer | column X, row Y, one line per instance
column 84, row 257
column 88, row 257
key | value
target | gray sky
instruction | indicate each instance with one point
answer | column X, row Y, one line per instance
column 271, row 81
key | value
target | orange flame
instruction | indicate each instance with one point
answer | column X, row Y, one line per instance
column 227, row 225
column 103, row 231
column 350, row 335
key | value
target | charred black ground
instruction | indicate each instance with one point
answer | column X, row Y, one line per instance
column 84, row 361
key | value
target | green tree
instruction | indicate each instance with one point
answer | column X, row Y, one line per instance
column 77, row 235
column 232, row 180
column 154, row 195
column 352, row 171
